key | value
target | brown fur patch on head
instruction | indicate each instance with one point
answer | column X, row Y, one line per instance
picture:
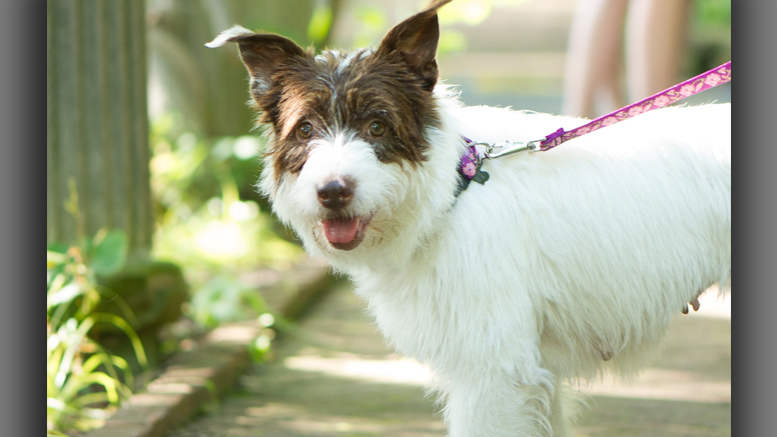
column 383, row 97
column 348, row 94
column 379, row 87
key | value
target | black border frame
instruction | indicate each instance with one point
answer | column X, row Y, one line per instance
column 754, row 203
column 22, row 213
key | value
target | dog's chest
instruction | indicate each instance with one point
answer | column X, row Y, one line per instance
column 411, row 311
column 444, row 315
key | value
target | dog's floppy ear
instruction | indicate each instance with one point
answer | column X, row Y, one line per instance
column 262, row 54
column 415, row 39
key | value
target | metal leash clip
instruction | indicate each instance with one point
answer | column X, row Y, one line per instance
column 506, row 148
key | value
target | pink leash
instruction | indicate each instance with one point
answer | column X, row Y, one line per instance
column 716, row 76
column 471, row 162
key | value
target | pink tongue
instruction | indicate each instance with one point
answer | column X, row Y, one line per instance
column 341, row 230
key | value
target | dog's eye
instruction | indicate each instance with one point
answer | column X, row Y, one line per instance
column 305, row 130
column 377, row 128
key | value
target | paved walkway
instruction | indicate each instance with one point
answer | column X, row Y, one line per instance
column 334, row 377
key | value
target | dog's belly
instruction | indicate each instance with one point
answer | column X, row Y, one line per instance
column 581, row 343
column 477, row 324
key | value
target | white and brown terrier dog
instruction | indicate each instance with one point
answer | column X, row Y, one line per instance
column 562, row 266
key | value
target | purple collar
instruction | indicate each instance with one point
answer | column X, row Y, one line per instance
column 469, row 168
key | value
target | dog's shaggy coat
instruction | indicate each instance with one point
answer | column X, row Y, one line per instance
column 563, row 265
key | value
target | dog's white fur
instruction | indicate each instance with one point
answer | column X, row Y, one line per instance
column 562, row 259
column 566, row 264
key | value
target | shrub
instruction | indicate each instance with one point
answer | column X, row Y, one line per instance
column 84, row 382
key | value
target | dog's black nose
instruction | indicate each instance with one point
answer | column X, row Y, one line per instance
column 335, row 194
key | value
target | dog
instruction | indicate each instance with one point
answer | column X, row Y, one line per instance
column 560, row 267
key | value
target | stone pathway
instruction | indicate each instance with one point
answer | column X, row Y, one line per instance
column 334, row 377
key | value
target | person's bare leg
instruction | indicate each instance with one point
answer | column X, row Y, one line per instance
column 655, row 41
column 593, row 57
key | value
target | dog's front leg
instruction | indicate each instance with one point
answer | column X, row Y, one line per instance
column 505, row 404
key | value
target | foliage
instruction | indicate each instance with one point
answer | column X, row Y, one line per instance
column 207, row 209
column 211, row 220
column 710, row 35
column 84, row 382
column 224, row 298
column 712, row 12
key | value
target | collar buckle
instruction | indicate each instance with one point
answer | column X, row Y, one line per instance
column 506, row 148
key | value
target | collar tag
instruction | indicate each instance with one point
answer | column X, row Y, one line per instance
column 470, row 168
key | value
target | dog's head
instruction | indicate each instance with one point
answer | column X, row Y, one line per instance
column 347, row 130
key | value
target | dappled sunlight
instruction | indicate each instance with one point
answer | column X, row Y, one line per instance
column 234, row 333
column 154, row 399
column 607, row 416
column 221, row 239
column 276, row 418
column 391, row 370
column 665, row 384
column 298, row 420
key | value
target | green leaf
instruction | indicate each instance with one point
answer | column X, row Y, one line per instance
column 109, row 254
column 64, row 294
column 320, row 23
column 56, row 257
column 122, row 324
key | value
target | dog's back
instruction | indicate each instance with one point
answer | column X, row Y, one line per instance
column 610, row 234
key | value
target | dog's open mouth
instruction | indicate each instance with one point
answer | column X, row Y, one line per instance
column 345, row 233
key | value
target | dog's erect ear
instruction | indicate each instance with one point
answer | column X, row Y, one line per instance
column 262, row 54
column 415, row 39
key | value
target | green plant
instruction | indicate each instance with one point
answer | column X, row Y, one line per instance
column 84, row 382
column 223, row 298
column 209, row 216
column 212, row 222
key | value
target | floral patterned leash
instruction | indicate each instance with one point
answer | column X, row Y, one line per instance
column 469, row 169
column 716, row 76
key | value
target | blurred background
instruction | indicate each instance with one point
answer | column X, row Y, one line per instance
column 155, row 231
